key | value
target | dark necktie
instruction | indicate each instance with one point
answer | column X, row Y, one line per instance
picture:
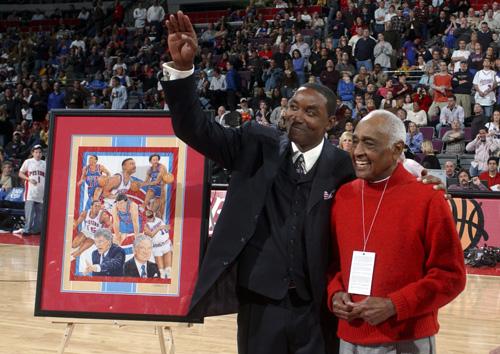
column 300, row 165
column 143, row 271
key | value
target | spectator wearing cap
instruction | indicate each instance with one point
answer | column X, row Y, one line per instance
column 245, row 111
column 32, row 172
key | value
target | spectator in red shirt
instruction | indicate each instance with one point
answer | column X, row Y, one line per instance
column 423, row 99
column 492, row 175
column 118, row 13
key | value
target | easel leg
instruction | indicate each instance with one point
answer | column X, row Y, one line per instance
column 170, row 340
column 66, row 337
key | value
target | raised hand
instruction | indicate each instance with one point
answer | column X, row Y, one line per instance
column 182, row 41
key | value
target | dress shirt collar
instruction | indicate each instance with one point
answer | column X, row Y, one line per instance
column 310, row 156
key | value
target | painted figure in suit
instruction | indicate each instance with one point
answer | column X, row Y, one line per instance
column 270, row 249
column 139, row 265
column 108, row 258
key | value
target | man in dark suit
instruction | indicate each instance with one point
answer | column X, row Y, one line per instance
column 108, row 258
column 139, row 265
column 269, row 252
column 270, row 248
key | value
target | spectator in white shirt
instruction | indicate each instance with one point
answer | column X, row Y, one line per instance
column 460, row 54
column 485, row 83
column 417, row 115
column 155, row 16
column 140, row 14
column 483, row 146
column 380, row 17
column 118, row 94
column 450, row 113
column 217, row 88
column 78, row 42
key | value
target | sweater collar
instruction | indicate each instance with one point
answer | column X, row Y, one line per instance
column 399, row 176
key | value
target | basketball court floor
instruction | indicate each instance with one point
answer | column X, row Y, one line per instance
column 469, row 325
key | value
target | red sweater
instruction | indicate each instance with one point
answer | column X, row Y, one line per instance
column 419, row 262
column 485, row 176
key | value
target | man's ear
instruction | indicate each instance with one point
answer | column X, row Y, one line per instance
column 398, row 148
column 332, row 121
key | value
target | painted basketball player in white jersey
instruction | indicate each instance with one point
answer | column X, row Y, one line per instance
column 93, row 219
column 119, row 183
column 162, row 245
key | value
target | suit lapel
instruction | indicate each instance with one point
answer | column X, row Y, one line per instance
column 323, row 181
column 272, row 161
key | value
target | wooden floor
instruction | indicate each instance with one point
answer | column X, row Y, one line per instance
column 470, row 325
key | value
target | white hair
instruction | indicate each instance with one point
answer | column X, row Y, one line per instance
column 141, row 238
column 393, row 126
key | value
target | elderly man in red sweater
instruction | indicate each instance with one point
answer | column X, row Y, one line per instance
column 399, row 253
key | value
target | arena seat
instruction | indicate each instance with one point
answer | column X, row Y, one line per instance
column 427, row 132
column 12, row 210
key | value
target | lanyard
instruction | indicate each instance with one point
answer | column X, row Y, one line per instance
column 365, row 235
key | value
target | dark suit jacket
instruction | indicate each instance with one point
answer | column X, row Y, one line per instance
column 254, row 154
column 130, row 269
column 112, row 264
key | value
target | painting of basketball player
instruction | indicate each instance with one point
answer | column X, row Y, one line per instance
column 155, row 193
column 126, row 221
column 162, row 245
column 91, row 220
column 119, row 183
column 95, row 176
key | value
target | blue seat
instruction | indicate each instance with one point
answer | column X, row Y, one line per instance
column 12, row 209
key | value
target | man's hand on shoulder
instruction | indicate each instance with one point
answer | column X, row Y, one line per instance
column 182, row 41
column 426, row 178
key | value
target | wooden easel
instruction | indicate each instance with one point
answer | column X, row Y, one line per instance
column 164, row 331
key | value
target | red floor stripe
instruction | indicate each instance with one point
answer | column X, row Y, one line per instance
column 12, row 239
column 484, row 270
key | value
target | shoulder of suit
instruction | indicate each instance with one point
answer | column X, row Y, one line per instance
column 258, row 131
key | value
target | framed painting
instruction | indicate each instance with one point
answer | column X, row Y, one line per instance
column 125, row 218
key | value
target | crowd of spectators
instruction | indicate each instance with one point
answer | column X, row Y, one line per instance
column 435, row 64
